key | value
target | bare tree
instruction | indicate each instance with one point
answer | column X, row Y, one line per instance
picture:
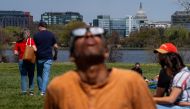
column 2, row 46
column 6, row 37
column 185, row 4
column 113, row 42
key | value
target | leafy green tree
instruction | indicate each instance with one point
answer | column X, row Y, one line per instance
column 113, row 42
column 65, row 33
column 178, row 35
column 11, row 32
column 58, row 30
column 144, row 38
column 7, row 37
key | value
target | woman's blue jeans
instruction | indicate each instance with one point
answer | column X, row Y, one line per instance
column 43, row 72
column 171, row 107
column 26, row 70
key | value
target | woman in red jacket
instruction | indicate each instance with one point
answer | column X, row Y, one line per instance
column 26, row 68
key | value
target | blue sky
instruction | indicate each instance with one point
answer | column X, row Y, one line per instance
column 156, row 10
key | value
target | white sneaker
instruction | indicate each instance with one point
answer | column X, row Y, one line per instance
column 42, row 94
column 31, row 93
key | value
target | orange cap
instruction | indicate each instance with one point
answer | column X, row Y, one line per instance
column 166, row 48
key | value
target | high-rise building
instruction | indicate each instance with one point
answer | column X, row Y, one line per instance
column 52, row 17
column 15, row 18
column 130, row 25
column 123, row 26
column 118, row 25
column 103, row 21
column 181, row 18
column 60, row 17
column 71, row 16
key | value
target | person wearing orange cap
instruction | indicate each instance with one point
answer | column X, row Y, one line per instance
column 179, row 97
column 164, row 79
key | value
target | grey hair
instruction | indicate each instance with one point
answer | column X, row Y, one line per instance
column 24, row 32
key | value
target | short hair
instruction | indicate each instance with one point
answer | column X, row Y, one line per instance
column 42, row 24
column 26, row 30
column 137, row 63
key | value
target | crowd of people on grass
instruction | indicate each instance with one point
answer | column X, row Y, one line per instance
column 92, row 85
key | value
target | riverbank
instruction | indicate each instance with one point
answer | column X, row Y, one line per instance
column 118, row 48
column 123, row 55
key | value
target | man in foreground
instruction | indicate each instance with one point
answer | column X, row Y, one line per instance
column 92, row 85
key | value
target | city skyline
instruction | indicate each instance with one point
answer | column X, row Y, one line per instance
column 160, row 10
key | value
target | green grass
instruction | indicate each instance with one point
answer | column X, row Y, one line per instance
column 10, row 97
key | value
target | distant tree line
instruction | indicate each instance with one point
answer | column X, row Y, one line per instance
column 144, row 38
column 152, row 37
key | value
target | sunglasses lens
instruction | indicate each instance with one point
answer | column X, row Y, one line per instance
column 96, row 30
column 79, row 32
column 82, row 31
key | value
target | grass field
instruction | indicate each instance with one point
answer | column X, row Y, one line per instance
column 10, row 97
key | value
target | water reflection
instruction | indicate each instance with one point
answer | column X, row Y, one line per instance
column 129, row 56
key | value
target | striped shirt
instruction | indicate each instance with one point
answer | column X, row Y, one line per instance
column 182, row 80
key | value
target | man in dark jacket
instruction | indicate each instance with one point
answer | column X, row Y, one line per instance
column 45, row 41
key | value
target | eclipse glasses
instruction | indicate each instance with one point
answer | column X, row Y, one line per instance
column 82, row 31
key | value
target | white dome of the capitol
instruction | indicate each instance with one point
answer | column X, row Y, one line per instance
column 141, row 13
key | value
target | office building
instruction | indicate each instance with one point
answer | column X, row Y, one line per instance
column 131, row 25
column 118, row 25
column 181, row 18
column 159, row 24
column 52, row 17
column 60, row 17
column 103, row 21
column 15, row 18
column 123, row 26
column 72, row 16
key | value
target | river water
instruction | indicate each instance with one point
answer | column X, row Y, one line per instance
column 128, row 56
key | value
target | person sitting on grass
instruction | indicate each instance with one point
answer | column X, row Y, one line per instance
column 137, row 68
column 179, row 97
column 163, row 82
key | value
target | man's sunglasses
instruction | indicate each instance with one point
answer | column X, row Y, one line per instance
column 93, row 30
